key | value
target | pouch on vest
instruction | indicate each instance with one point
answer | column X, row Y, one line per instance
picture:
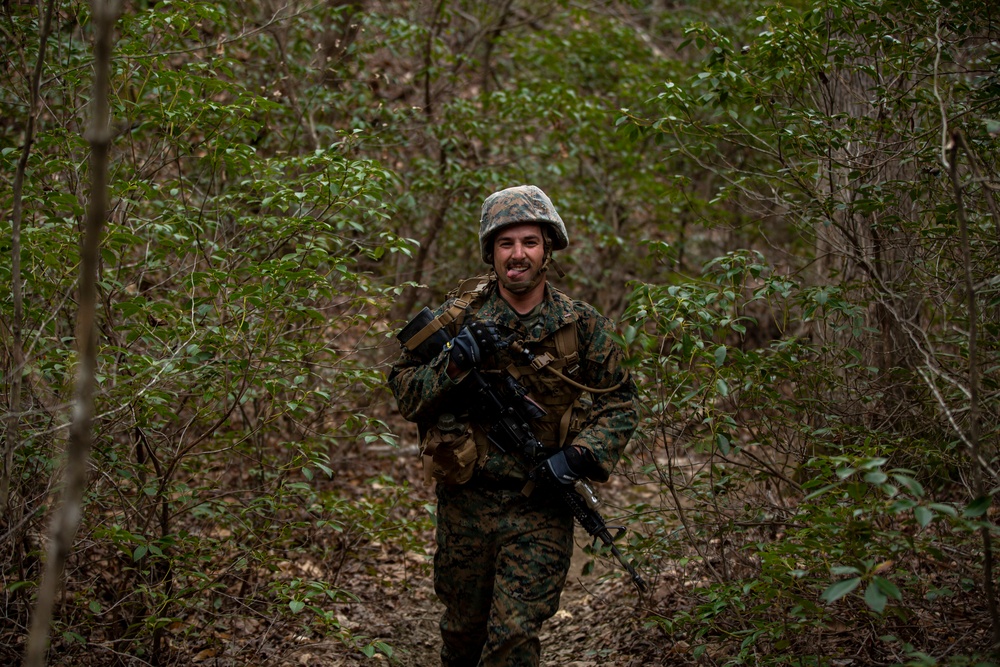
column 449, row 451
column 573, row 420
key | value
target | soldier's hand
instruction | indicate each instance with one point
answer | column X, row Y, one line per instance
column 475, row 343
column 566, row 466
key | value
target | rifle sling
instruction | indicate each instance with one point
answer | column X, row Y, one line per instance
column 438, row 323
column 454, row 312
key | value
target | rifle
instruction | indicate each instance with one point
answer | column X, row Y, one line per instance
column 509, row 413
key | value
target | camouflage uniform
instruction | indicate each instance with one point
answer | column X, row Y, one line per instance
column 502, row 558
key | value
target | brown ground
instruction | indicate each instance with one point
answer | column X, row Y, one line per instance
column 596, row 620
column 601, row 621
column 595, row 625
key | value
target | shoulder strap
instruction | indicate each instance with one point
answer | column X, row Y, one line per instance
column 567, row 344
column 467, row 292
column 472, row 286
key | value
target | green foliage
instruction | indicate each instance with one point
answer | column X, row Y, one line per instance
column 773, row 182
column 741, row 435
column 237, row 302
column 842, row 121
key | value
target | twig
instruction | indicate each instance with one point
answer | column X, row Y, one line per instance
column 17, row 346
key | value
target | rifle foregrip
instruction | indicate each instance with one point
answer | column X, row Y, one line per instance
column 590, row 519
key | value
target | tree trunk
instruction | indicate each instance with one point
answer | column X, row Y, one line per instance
column 66, row 520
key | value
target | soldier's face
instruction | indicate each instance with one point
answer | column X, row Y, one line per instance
column 518, row 254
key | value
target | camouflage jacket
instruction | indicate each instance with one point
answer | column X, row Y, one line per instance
column 424, row 390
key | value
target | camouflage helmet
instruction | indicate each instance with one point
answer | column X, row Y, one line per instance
column 516, row 205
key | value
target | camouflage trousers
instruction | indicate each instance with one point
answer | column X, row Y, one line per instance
column 500, row 566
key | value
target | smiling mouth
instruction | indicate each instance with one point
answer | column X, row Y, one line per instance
column 515, row 272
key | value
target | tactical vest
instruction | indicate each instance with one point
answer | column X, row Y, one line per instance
column 556, row 352
column 551, row 380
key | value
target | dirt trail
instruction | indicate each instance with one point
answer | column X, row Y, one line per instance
column 595, row 625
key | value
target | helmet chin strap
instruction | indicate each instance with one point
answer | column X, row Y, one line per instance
column 550, row 262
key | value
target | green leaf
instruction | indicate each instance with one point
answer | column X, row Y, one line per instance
column 873, row 463
column 978, row 507
column 875, row 598
column 139, row 552
column 923, row 515
column 910, row 484
column 944, row 509
column 887, row 587
column 875, row 477
column 723, row 442
column 296, row 606
column 845, row 472
column 820, row 491
column 840, row 589
column 720, row 355
column 902, row 504
column 73, row 637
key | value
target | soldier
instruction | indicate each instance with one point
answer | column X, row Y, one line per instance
column 503, row 544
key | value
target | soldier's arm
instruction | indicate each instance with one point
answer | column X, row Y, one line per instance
column 614, row 415
column 422, row 385
column 421, row 388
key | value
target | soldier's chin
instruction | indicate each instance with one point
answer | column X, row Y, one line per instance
column 520, row 286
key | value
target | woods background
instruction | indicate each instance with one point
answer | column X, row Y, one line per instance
column 791, row 209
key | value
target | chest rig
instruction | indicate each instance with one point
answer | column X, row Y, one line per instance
column 544, row 364
column 548, row 376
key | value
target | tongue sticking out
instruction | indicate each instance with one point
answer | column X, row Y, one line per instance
column 514, row 274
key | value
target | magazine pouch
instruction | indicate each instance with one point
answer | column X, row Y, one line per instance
column 448, row 451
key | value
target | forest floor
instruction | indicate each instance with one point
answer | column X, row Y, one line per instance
column 389, row 609
column 598, row 622
column 601, row 620
column 595, row 625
